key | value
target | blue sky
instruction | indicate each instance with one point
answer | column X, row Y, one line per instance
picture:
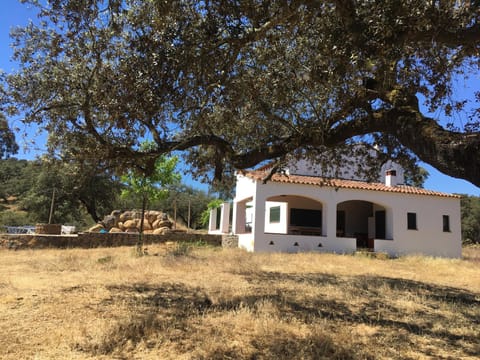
column 13, row 13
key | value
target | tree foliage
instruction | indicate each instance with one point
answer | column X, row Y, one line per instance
column 150, row 184
column 15, row 178
column 77, row 189
column 187, row 202
column 470, row 208
column 416, row 178
column 153, row 186
column 8, row 145
column 213, row 204
column 234, row 83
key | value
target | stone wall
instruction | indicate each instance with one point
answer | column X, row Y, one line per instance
column 229, row 241
column 92, row 240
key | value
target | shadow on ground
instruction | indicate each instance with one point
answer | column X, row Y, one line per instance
column 401, row 311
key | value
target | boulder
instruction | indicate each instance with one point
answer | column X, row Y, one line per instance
column 109, row 222
column 116, row 213
column 151, row 216
column 96, row 228
column 155, row 224
column 122, row 221
column 147, row 225
column 164, row 230
column 130, row 224
column 165, row 223
column 115, row 230
column 127, row 215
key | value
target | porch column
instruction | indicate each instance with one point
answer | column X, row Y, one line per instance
column 330, row 218
column 212, row 220
column 258, row 226
column 238, row 223
column 390, row 223
column 225, row 218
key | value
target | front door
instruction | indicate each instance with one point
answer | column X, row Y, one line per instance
column 380, row 224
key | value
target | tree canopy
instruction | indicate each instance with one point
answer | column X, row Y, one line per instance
column 77, row 189
column 8, row 145
column 231, row 84
column 470, row 209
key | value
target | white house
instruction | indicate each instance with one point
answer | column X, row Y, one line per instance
column 292, row 213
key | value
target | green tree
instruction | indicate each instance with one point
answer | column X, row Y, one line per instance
column 149, row 184
column 470, row 209
column 234, row 83
column 8, row 145
column 78, row 190
column 14, row 218
column 15, row 178
column 188, row 203
column 416, row 178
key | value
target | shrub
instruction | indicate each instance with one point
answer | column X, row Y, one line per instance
column 14, row 218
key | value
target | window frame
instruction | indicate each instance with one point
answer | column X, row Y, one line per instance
column 412, row 223
column 272, row 218
column 446, row 223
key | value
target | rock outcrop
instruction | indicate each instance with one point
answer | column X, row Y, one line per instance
column 154, row 222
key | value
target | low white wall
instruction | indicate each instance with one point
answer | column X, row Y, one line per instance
column 303, row 243
column 245, row 241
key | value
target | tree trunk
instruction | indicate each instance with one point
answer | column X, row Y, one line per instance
column 91, row 209
column 139, row 247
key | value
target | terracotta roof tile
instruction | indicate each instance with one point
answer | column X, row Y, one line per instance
column 345, row 184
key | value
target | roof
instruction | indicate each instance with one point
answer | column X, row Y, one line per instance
column 345, row 184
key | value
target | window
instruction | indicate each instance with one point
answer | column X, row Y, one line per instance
column 218, row 217
column 446, row 223
column 340, row 223
column 306, row 217
column 411, row 221
column 275, row 214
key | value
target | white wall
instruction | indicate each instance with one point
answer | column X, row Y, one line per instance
column 246, row 242
column 280, row 227
column 307, row 167
column 301, row 243
column 429, row 239
column 244, row 188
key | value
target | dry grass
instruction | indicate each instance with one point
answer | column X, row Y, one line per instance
column 204, row 303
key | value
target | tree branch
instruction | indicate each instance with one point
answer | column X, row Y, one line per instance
column 453, row 153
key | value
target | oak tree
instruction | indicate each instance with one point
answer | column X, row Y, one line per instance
column 78, row 189
column 8, row 145
column 231, row 84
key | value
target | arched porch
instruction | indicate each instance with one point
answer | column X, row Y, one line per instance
column 294, row 215
column 364, row 221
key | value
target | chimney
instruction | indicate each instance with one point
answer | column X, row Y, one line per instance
column 391, row 178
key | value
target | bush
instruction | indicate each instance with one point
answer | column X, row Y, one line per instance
column 14, row 218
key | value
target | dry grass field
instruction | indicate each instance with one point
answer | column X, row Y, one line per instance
column 207, row 303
